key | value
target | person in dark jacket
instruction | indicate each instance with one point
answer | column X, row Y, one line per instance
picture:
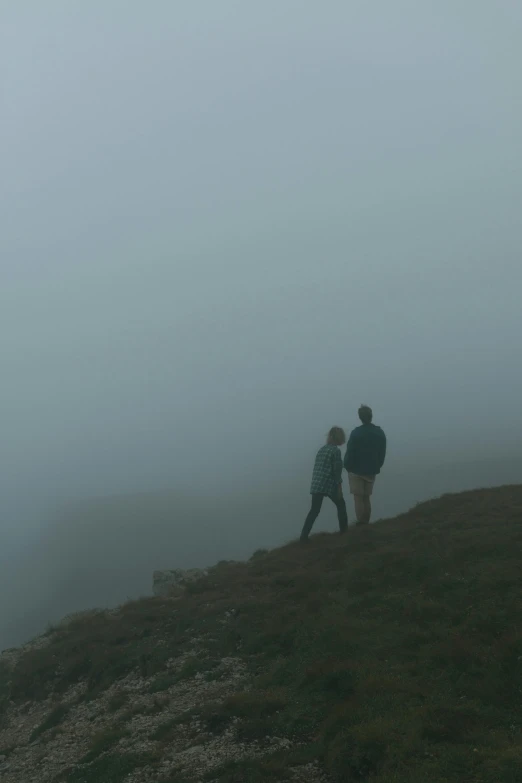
column 327, row 482
column 364, row 458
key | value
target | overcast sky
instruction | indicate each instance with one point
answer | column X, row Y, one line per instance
column 224, row 225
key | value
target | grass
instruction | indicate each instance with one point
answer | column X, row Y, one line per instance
column 104, row 741
column 254, row 771
column 5, row 689
column 162, row 683
column 167, row 730
column 142, row 709
column 54, row 719
column 111, row 768
column 256, row 710
column 393, row 655
column 190, row 668
column 118, row 700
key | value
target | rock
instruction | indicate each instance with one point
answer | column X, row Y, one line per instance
column 172, row 583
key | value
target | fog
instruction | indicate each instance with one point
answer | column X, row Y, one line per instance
column 223, row 227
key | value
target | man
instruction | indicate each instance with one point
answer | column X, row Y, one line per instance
column 364, row 458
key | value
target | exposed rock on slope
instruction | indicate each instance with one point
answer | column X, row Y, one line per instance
column 140, row 728
column 174, row 582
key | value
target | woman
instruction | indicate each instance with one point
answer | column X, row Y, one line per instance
column 327, row 482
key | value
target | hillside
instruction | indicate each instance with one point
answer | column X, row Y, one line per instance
column 393, row 655
column 102, row 551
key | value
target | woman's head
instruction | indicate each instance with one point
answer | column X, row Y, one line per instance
column 336, row 436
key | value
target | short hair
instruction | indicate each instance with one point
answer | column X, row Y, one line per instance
column 365, row 414
column 337, row 436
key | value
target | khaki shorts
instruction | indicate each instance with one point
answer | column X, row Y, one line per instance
column 361, row 485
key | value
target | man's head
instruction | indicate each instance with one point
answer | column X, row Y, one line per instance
column 365, row 414
column 336, row 436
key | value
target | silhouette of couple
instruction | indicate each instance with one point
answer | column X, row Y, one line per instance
column 364, row 458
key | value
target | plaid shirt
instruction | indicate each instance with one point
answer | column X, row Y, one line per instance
column 327, row 473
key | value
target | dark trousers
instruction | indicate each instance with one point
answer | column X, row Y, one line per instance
column 317, row 502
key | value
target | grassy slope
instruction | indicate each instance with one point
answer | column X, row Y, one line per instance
column 394, row 654
column 102, row 552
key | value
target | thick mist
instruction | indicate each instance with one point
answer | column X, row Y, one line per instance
column 224, row 227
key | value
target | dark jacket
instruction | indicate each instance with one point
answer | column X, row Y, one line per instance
column 365, row 451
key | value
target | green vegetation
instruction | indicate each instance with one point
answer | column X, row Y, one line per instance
column 141, row 709
column 4, row 696
column 162, row 683
column 53, row 720
column 165, row 731
column 393, row 655
column 118, row 700
column 104, row 741
column 111, row 768
column 190, row 668
column 254, row 771
column 259, row 553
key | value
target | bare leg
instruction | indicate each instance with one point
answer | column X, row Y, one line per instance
column 367, row 510
column 342, row 514
column 360, row 508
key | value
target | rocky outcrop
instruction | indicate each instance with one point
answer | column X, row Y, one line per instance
column 173, row 583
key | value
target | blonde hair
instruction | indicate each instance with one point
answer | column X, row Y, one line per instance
column 336, row 436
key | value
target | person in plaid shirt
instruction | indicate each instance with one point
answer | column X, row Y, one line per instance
column 327, row 482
